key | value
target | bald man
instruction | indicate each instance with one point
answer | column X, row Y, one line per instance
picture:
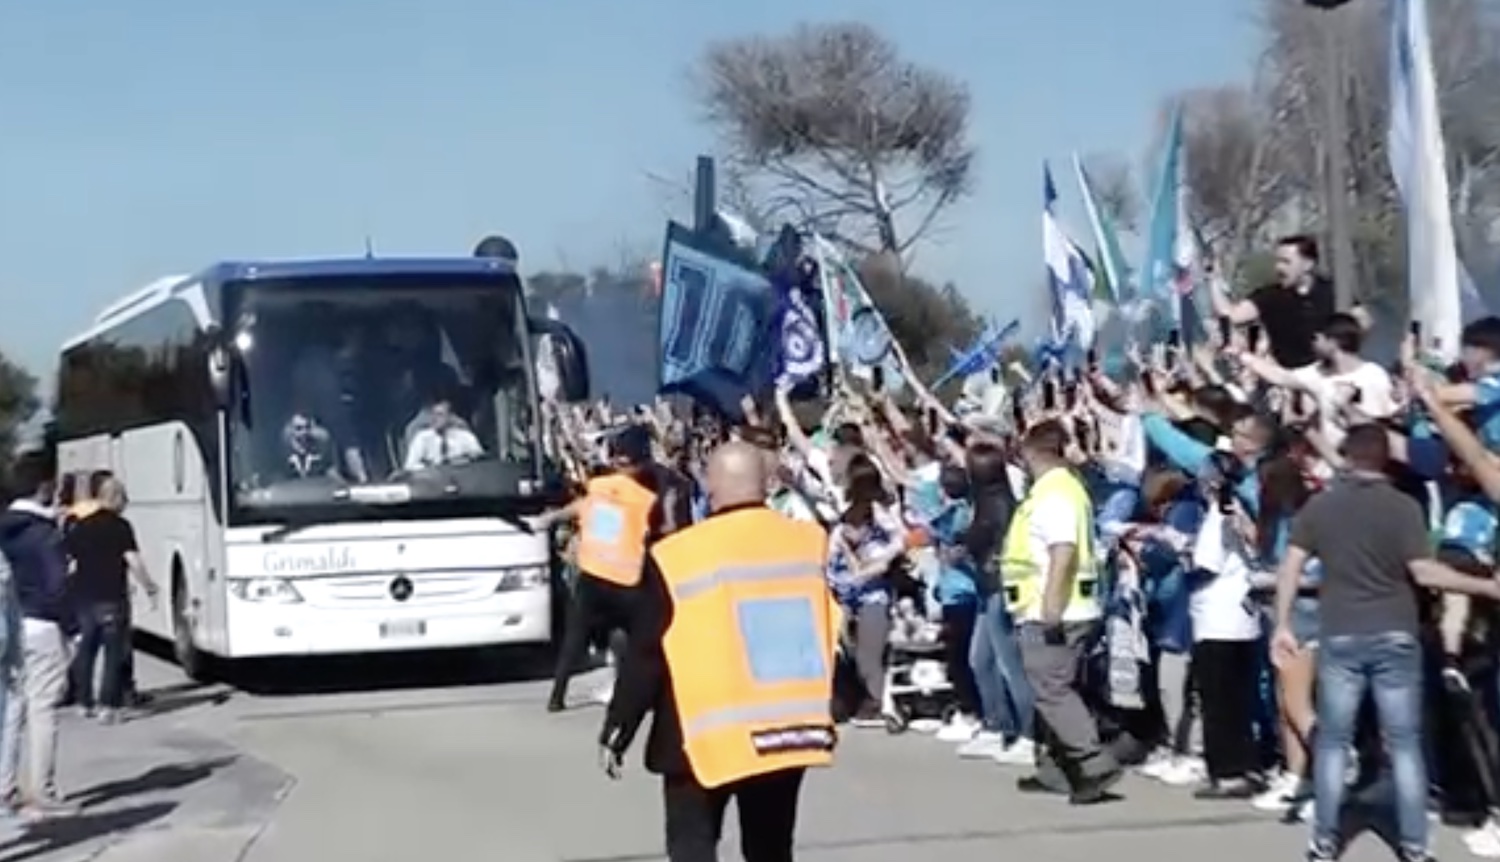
column 732, row 651
column 105, row 558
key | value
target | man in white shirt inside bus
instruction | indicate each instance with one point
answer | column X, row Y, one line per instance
column 443, row 441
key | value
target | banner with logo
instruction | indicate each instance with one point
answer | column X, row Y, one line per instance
column 719, row 324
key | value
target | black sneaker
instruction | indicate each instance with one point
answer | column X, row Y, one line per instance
column 1408, row 855
column 868, row 715
column 1093, row 790
column 1228, row 788
column 556, row 704
column 1035, row 784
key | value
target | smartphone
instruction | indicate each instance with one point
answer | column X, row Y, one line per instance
column 1049, row 395
column 1225, row 329
column 1252, row 337
column 1415, row 328
column 1093, row 359
column 1174, row 339
column 1017, row 409
column 1081, row 434
column 877, row 378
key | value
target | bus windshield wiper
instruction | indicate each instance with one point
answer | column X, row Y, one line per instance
column 285, row 530
column 511, row 519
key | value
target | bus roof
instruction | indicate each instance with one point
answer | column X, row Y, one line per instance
column 162, row 289
column 356, row 266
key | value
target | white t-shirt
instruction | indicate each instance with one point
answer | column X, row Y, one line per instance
column 1376, row 398
column 1219, row 608
column 1054, row 521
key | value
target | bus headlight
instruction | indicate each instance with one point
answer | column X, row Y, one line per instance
column 522, row 578
column 274, row 591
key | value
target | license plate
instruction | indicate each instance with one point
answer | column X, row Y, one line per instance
column 403, row 629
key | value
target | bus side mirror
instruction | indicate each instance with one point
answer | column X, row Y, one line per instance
column 561, row 353
column 218, row 365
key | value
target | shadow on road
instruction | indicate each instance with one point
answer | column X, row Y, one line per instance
column 177, row 698
column 51, row 836
column 357, row 673
column 156, row 779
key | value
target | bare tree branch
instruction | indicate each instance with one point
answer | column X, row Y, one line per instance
column 835, row 113
column 1290, row 95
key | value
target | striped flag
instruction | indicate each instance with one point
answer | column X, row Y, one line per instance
column 1068, row 273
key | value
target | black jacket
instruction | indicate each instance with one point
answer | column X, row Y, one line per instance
column 994, row 506
column 644, row 684
column 33, row 544
column 674, row 500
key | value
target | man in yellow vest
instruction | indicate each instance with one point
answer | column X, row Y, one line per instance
column 620, row 512
column 732, row 650
column 1050, row 577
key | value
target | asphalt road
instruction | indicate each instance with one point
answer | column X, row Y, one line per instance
column 297, row 770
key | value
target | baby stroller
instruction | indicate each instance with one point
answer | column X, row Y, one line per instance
column 916, row 677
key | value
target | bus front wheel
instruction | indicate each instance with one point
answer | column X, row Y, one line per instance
column 192, row 661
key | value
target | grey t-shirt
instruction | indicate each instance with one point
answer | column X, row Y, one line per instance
column 1364, row 531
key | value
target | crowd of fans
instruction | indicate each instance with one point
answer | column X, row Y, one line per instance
column 1297, row 606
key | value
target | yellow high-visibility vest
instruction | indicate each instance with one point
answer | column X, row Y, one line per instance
column 1025, row 576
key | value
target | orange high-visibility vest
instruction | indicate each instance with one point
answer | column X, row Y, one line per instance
column 751, row 644
column 612, row 528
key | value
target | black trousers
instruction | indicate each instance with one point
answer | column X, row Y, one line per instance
column 1225, row 673
column 597, row 605
column 768, row 816
column 958, row 630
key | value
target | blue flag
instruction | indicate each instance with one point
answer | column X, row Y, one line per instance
column 719, row 324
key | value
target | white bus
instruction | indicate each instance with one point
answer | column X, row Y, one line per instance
column 262, row 418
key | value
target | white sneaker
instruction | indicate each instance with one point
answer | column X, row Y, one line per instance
column 1484, row 842
column 1184, row 771
column 1278, row 793
column 603, row 694
column 961, row 729
column 1155, row 763
column 984, row 746
column 1022, row 752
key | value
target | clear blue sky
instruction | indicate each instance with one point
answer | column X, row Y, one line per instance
column 148, row 138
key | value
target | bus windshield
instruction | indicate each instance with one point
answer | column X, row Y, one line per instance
column 384, row 390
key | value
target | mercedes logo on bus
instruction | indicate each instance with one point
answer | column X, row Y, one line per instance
column 402, row 588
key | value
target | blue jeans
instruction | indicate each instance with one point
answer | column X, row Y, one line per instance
column 1120, row 503
column 995, row 658
column 104, row 630
column 1390, row 664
